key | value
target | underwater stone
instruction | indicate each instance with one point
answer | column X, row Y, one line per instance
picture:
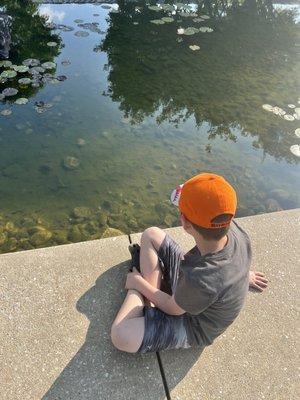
column 80, row 142
column 60, row 237
column 41, row 236
column 2, row 238
column 71, row 163
column 82, row 212
column 295, row 149
column 272, row 205
column 110, row 232
column 11, row 244
column 102, row 219
column 75, row 234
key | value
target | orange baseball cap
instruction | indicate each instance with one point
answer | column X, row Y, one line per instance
column 203, row 198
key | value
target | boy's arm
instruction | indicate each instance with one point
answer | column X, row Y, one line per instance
column 162, row 300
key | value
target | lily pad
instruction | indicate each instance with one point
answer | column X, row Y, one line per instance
column 65, row 63
column 24, row 81
column 10, row 92
column 295, row 149
column 61, row 78
column 288, row 117
column 52, row 44
column 21, row 68
column 190, row 31
column 297, row 132
column 36, row 70
column 291, row 106
column 167, row 19
column 22, row 100
column 106, row 7
column 154, row 8
column 81, row 34
column 65, row 28
column 78, row 21
column 71, row 163
column 31, row 62
column 205, row 16
column 194, row 47
column 205, row 29
column 6, row 63
column 157, row 21
column 180, row 31
column 6, row 112
column 167, row 7
column 8, row 74
column 2, row 97
column 267, row 107
column 198, row 19
column 48, row 65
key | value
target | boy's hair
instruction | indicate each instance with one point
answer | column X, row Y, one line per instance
column 215, row 233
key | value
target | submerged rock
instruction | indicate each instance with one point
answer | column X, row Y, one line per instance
column 41, row 236
column 10, row 244
column 272, row 205
column 82, row 212
column 80, row 142
column 110, row 232
column 71, row 163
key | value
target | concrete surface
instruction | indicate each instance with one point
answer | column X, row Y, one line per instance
column 258, row 355
column 57, row 305
column 56, row 308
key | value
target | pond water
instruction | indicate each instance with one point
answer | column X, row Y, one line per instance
column 129, row 110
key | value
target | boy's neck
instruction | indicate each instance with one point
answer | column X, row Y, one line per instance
column 211, row 246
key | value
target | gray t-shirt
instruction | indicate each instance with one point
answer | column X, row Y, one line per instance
column 212, row 288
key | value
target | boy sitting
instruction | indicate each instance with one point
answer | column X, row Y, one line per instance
column 203, row 291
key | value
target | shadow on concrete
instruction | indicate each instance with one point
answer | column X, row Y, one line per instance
column 98, row 370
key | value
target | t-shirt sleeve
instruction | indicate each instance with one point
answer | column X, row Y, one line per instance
column 193, row 293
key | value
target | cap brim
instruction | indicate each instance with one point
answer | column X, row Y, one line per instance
column 175, row 195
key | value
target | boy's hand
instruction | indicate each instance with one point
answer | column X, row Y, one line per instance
column 257, row 280
column 133, row 279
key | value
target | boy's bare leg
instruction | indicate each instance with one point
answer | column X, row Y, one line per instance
column 151, row 240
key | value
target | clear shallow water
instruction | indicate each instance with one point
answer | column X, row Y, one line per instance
column 150, row 113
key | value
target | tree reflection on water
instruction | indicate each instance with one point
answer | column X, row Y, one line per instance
column 250, row 59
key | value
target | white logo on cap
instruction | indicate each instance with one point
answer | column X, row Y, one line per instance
column 175, row 195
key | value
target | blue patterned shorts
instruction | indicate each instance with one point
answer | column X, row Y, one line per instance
column 164, row 331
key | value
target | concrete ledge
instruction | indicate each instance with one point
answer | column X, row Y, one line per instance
column 57, row 305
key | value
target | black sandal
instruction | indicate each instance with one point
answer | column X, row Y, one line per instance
column 135, row 256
